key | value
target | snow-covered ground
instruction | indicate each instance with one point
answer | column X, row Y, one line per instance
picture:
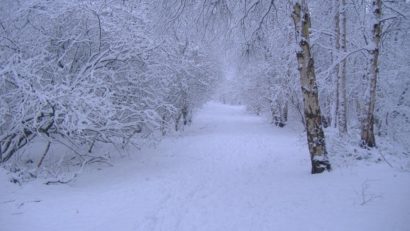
column 228, row 171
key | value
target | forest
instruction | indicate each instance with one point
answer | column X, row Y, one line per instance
column 90, row 87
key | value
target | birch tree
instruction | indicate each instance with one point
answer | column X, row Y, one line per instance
column 367, row 133
column 313, row 118
column 341, row 43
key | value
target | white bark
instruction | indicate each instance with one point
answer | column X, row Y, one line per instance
column 337, row 44
column 367, row 134
column 342, row 114
column 313, row 117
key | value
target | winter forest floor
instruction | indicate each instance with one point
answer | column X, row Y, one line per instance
column 228, row 171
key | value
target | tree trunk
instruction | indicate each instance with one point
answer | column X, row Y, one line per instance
column 337, row 44
column 284, row 114
column 313, row 117
column 367, row 134
column 342, row 114
column 275, row 117
column 184, row 112
column 279, row 114
column 163, row 125
column 177, row 121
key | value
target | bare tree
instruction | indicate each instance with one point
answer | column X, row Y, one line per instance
column 313, row 118
column 367, row 133
column 341, row 74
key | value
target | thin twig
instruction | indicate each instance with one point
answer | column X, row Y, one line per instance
column 385, row 160
column 44, row 155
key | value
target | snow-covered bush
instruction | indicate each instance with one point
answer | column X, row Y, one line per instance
column 80, row 73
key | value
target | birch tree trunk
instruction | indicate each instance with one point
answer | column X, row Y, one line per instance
column 342, row 114
column 313, row 117
column 337, row 44
column 367, row 134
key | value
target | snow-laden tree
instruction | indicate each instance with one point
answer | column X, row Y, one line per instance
column 79, row 73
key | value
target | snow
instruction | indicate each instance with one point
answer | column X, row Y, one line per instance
column 228, row 171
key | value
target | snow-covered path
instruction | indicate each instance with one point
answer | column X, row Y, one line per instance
column 229, row 171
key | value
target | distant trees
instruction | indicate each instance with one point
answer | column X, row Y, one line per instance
column 79, row 73
column 268, row 70
column 333, row 53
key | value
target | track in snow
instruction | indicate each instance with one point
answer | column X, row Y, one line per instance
column 229, row 171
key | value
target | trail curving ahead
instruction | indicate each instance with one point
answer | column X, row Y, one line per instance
column 228, row 171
